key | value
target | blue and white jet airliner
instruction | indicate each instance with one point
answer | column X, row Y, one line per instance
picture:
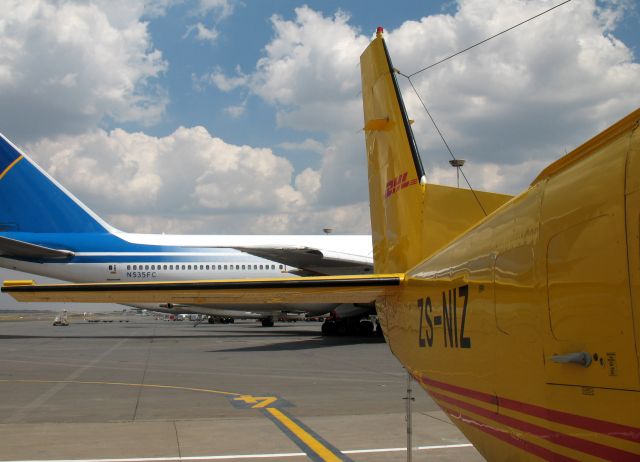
column 45, row 230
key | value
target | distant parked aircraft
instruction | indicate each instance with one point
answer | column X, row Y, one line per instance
column 45, row 230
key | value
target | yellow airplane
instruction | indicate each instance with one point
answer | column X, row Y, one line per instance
column 521, row 324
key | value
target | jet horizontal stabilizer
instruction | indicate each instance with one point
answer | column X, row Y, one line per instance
column 20, row 249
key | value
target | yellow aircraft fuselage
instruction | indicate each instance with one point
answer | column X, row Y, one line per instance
column 523, row 327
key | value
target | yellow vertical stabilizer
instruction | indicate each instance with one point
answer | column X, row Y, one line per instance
column 410, row 219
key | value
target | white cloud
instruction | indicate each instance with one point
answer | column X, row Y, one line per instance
column 310, row 71
column 220, row 8
column 308, row 144
column 525, row 96
column 224, row 83
column 204, row 34
column 308, row 181
column 508, row 106
column 67, row 65
column 189, row 173
column 235, row 111
column 217, row 10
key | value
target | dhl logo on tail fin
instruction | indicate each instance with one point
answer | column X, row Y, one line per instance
column 398, row 183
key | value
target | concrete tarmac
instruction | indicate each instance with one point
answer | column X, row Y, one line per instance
column 151, row 390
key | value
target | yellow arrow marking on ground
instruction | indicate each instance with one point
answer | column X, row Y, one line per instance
column 257, row 401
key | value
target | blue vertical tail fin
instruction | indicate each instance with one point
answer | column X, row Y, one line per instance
column 32, row 201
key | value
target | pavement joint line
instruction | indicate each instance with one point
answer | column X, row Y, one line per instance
column 144, row 375
column 214, row 373
column 250, row 456
column 19, row 414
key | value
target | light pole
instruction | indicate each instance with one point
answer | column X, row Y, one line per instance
column 457, row 163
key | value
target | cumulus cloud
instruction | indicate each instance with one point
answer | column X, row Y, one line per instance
column 529, row 95
column 67, row 65
column 509, row 106
column 188, row 175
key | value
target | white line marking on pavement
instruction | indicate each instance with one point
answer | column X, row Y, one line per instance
column 248, row 456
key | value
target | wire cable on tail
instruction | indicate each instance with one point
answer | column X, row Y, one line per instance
column 409, row 76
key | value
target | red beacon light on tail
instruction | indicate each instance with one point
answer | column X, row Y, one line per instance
column 379, row 31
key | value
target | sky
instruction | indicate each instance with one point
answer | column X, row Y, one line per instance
column 245, row 117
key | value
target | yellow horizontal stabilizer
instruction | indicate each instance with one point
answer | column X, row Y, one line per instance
column 322, row 289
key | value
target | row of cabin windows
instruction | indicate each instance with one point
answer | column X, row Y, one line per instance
column 195, row 267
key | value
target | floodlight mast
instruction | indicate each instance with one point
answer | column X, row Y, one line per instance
column 457, row 163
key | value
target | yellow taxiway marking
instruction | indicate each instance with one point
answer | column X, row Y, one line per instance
column 146, row 385
column 258, row 402
column 312, row 443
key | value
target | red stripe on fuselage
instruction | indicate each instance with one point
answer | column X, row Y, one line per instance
column 588, row 447
column 525, row 445
column 588, row 423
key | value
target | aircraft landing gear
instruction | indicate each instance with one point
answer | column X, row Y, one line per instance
column 211, row 320
column 348, row 326
column 328, row 328
column 365, row 328
column 267, row 322
column 378, row 332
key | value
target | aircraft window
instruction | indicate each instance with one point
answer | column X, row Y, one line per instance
column 207, row 266
column 219, row 267
column 237, row 267
column 146, row 267
column 164, row 267
column 110, row 267
column 184, row 267
column 261, row 267
column 225, row 266
column 189, row 267
column 128, row 267
column 255, row 266
column 170, row 267
column 135, row 267
column 201, row 267
column 153, row 267
column 273, row 266
column 243, row 267
column 281, row 267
